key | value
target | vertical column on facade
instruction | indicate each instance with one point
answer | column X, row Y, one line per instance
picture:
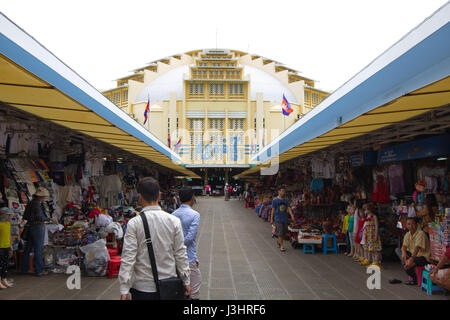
column 184, row 132
column 173, row 117
column 226, row 137
column 249, row 132
column 205, row 135
column 259, row 117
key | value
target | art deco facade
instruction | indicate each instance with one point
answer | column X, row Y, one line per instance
column 223, row 104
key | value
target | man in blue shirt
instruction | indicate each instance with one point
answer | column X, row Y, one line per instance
column 279, row 215
column 190, row 220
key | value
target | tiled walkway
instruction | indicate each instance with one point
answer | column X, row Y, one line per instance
column 240, row 260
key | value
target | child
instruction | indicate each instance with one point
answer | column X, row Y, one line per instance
column 351, row 217
column 359, row 251
column 372, row 238
column 5, row 246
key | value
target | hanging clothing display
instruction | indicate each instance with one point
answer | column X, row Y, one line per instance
column 396, row 182
column 380, row 190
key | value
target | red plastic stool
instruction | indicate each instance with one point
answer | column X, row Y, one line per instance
column 419, row 275
column 113, row 252
column 114, row 266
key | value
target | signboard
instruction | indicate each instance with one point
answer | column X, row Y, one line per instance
column 363, row 158
column 424, row 148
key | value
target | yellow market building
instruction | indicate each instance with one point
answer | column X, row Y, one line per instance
column 218, row 106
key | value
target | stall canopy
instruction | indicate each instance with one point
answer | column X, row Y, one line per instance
column 408, row 79
column 33, row 80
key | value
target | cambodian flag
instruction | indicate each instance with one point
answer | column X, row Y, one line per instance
column 286, row 106
column 168, row 141
column 147, row 110
column 177, row 146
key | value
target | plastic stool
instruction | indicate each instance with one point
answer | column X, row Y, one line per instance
column 325, row 247
column 113, row 252
column 428, row 284
column 114, row 266
column 309, row 248
column 419, row 272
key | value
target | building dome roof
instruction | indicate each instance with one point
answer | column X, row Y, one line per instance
column 172, row 81
column 160, row 88
column 272, row 88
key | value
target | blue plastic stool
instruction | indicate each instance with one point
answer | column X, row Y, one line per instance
column 325, row 247
column 428, row 285
column 309, row 248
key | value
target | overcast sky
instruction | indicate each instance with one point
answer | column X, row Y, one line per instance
column 327, row 40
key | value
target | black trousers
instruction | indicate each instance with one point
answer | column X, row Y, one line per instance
column 4, row 259
column 419, row 261
column 347, row 240
column 139, row 295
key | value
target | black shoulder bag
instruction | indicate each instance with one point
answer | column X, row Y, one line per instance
column 168, row 289
column 25, row 235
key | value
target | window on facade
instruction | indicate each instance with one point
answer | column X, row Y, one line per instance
column 196, row 88
column 236, row 124
column 196, row 139
column 125, row 96
column 116, row 98
column 315, row 98
column 196, row 124
column 236, row 149
column 216, row 124
column 216, row 88
column 216, row 141
column 236, row 88
column 306, row 96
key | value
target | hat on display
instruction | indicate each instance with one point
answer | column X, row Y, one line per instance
column 42, row 192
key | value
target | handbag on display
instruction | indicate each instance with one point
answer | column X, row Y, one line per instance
column 168, row 289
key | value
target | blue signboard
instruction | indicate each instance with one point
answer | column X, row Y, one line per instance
column 363, row 158
column 425, row 148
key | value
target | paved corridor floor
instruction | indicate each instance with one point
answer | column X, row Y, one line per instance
column 240, row 260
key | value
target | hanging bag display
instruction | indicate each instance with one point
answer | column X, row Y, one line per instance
column 168, row 289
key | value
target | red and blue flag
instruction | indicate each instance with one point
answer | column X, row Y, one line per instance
column 286, row 106
column 147, row 110
column 177, row 146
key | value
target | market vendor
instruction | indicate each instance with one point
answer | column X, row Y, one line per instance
column 279, row 215
column 415, row 250
column 439, row 275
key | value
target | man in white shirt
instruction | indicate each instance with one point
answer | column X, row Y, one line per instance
column 135, row 276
